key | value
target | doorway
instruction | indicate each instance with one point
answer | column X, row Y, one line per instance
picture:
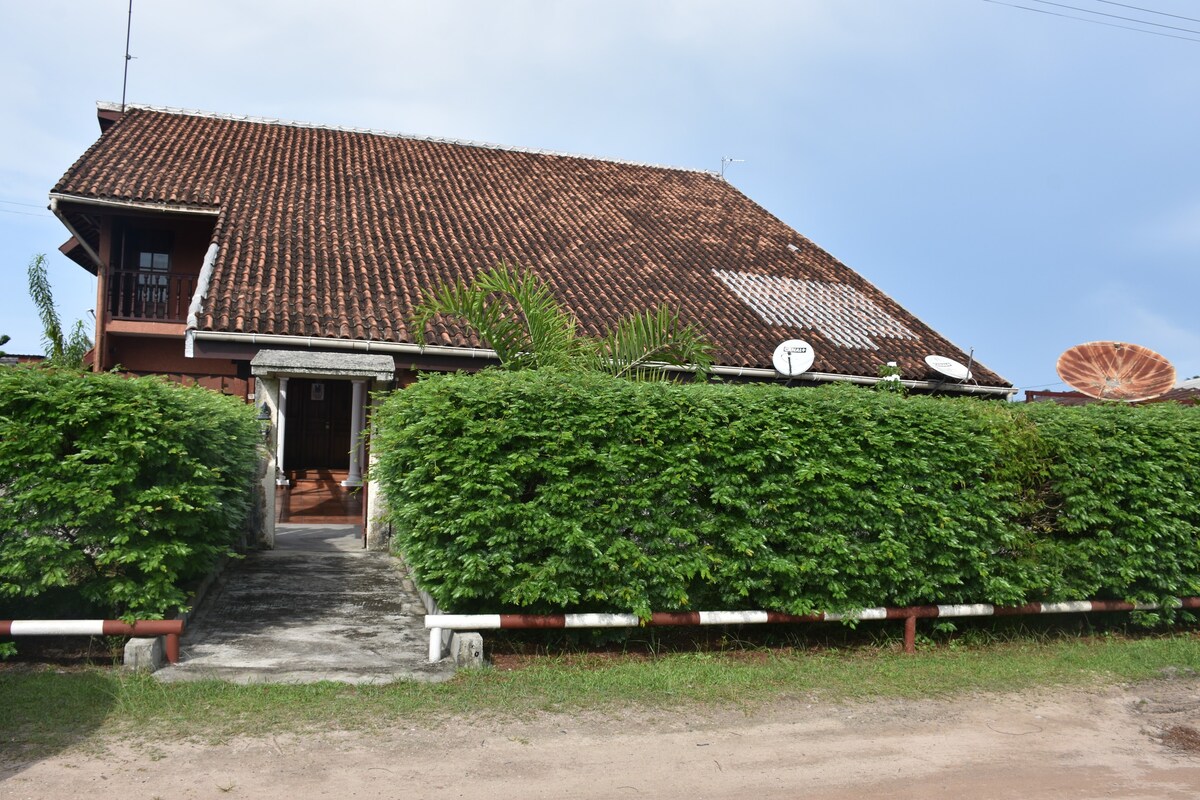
column 318, row 426
column 317, row 454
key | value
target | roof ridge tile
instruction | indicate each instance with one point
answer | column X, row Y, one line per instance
column 106, row 105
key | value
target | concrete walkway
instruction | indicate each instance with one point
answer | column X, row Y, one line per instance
column 317, row 608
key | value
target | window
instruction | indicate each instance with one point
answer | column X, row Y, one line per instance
column 142, row 286
column 153, row 282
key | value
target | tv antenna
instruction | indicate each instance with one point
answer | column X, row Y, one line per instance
column 724, row 159
column 128, row 58
column 1116, row 371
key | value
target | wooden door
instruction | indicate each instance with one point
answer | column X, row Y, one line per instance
column 318, row 425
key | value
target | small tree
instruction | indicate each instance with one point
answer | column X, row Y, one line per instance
column 62, row 351
column 3, row 341
column 515, row 314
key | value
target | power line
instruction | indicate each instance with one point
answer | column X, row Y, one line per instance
column 1147, row 10
column 1092, row 21
column 18, row 203
column 21, row 213
column 1117, row 16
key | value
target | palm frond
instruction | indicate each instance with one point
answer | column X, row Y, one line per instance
column 512, row 312
column 638, row 346
column 516, row 314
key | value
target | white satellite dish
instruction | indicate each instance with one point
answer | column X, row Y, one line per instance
column 948, row 367
column 793, row 357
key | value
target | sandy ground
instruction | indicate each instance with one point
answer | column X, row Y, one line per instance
column 1105, row 742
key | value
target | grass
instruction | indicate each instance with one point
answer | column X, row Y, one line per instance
column 42, row 710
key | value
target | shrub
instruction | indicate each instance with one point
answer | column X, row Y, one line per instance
column 1119, row 509
column 120, row 491
column 548, row 491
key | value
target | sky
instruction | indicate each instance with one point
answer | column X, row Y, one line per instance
column 1023, row 179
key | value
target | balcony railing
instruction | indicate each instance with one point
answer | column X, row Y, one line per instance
column 160, row 296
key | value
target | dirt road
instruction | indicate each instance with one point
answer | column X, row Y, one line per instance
column 1104, row 742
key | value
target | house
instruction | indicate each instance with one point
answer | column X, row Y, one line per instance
column 1188, row 395
column 281, row 261
column 8, row 360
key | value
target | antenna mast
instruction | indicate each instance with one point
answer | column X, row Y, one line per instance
column 125, row 80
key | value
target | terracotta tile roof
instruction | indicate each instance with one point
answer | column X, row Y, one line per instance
column 329, row 232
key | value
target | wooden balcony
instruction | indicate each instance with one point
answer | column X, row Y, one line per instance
column 150, row 296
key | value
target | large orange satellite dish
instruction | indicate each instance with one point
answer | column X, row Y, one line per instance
column 1116, row 371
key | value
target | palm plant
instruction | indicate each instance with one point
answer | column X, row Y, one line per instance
column 516, row 315
column 638, row 346
column 62, row 351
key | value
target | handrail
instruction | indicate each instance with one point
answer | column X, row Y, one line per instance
column 170, row 628
column 150, row 295
column 436, row 623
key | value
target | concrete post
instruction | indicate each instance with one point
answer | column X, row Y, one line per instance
column 467, row 649
column 280, row 430
column 356, row 431
column 379, row 530
column 267, row 391
column 145, row 654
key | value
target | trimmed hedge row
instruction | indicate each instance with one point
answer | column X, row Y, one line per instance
column 544, row 491
column 1118, row 499
column 117, row 492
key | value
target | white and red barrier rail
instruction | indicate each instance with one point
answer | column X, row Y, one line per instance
column 170, row 628
column 436, row 623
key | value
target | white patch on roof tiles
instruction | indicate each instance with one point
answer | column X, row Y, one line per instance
column 839, row 312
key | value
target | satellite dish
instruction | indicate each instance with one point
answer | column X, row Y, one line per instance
column 1116, row 371
column 948, row 367
column 793, row 357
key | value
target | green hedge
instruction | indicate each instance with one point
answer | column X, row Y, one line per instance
column 117, row 492
column 1119, row 499
column 544, row 491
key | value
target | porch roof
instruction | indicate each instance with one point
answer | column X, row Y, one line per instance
column 307, row 363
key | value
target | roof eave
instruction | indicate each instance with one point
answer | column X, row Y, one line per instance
column 476, row 353
column 78, row 238
column 134, row 205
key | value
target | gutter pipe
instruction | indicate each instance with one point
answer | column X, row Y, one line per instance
column 356, row 345
column 831, row 377
column 436, row 623
column 400, row 348
column 139, row 205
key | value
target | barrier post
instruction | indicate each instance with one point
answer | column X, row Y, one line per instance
column 435, row 645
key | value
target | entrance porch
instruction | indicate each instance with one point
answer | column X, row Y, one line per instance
column 315, row 409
